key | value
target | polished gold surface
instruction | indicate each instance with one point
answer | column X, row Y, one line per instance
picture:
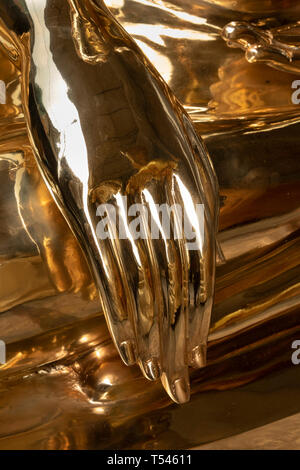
column 64, row 385
column 103, row 125
column 278, row 47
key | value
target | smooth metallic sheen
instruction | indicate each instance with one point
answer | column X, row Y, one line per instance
column 103, row 124
column 63, row 385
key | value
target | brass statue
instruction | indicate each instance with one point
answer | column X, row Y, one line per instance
column 91, row 118
column 103, row 125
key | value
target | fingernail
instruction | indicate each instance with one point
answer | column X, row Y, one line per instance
column 198, row 356
column 152, row 369
column 181, row 390
column 127, row 353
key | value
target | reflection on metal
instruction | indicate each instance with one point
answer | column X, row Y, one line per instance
column 275, row 47
column 89, row 119
column 2, row 92
column 102, row 125
column 2, row 352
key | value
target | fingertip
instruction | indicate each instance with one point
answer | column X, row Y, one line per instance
column 181, row 390
column 127, row 353
column 151, row 369
column 178, row 389
column 198, row 356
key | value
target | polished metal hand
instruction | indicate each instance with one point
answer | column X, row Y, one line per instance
column 277, row 47
column 105, row 126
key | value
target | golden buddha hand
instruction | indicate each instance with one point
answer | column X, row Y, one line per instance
column 278, row 47
column 109, row 134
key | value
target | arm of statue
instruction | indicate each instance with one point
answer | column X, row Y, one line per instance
column 111, row 139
